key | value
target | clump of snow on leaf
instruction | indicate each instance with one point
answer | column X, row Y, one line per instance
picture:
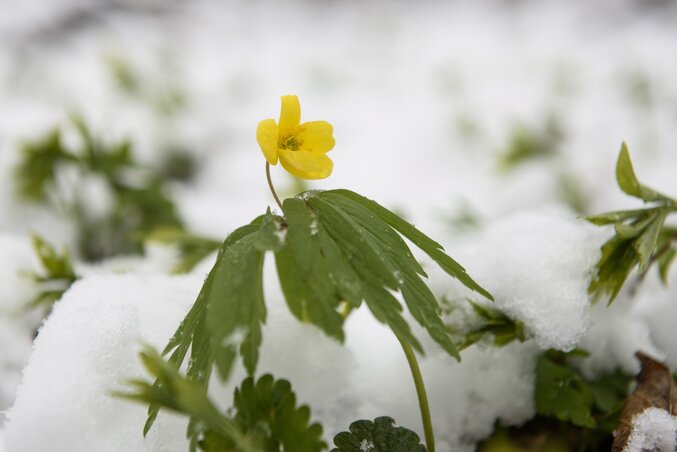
column 653, row 429
column 538, row 266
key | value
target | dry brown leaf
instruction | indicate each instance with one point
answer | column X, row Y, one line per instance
column 655, row 388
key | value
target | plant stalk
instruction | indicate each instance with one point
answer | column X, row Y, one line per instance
column 272, row 189
column 421, row 394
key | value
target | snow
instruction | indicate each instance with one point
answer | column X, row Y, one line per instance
column 88, row 347
column 85, row 350
column 653, row 429
column 15, row 349
column 464, row 407
column 616, row 333
column 423, row 98
column 538, row 265
column 657, row 309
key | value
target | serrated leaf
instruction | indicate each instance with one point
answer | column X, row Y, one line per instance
column 311, row 297
column 192, row 248
column 562, row 393
column 625, row 173
column 628, row 182
column 609, row 392
column 57, row 276
column 272, row 233
column 379, row 229
column 40, row 160
column 302, row 235
column 425, row 243
column 361, row 250
column 635, row 227
column 235, row 301
column 193, row 333
column 419, row 299
column 501, row 327
column 645, row 244
column 386, row 309
column 267, row 410
column 184, row 396
column 379, row 435
column 304, row 274
column 372, row 269
column 618, row 259
column 618, row 216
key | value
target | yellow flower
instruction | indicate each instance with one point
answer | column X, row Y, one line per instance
column 301, row 148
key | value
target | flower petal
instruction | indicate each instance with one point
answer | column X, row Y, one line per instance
column 266, row 135
column 316, row 136
column 290, row 114
column 306, row 165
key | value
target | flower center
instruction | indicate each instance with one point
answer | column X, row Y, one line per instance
column 289, row 142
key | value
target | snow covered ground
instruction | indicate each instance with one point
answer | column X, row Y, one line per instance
column 424, row 98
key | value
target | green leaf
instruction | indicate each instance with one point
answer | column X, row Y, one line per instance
column 528, row 143
column 420, row 300
column 503, row 329
column 618, row 259
column 636, row 226
column 192, row 248
column 618, row 216
column 193, row 330
column 271, row 235
column 57, row 276
column 381, row 435
column 562, row 393
column 645, row 245
column 302, row 235
column 140, row 203
column 304, row 274
column 610, row 392
column 625, row 174
column 361, row 249
column 184, row 396
column 372, row 269
column 627, row 180
column 40, row 161
column 311, row 296
column 425, row 243
column 235, row 303
column 267, row 410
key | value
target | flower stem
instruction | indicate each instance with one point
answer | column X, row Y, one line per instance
column 270, row 184
column 422, row 396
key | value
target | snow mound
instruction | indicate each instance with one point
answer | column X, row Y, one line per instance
column 538, row 266
column 15, row 349
column 653, row 429
column 85, row 350
column 88, row 347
